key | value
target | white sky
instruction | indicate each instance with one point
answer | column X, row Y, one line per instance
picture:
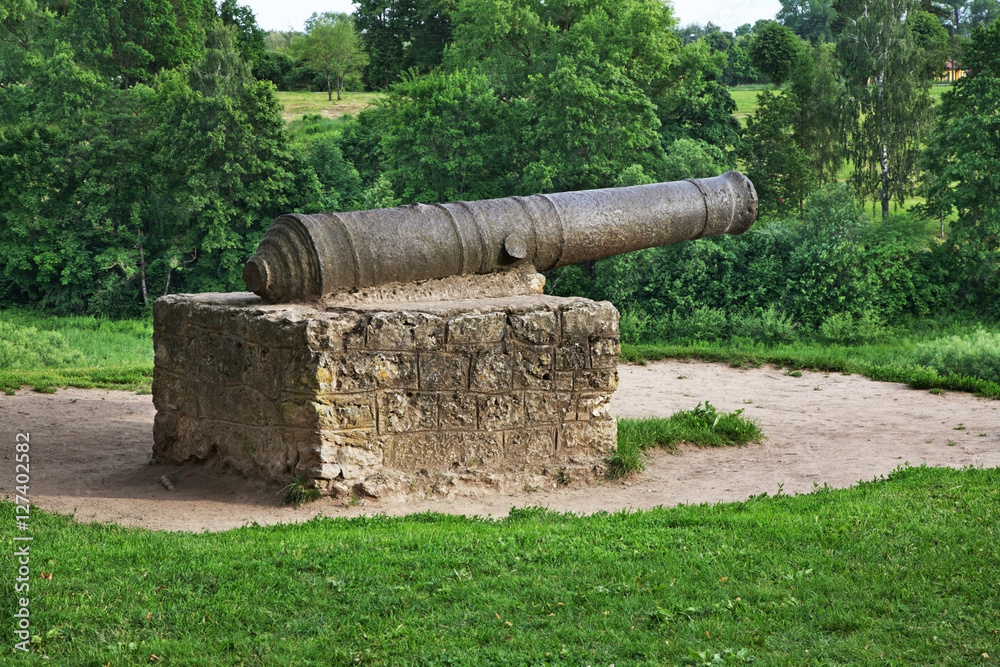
column 728, row 14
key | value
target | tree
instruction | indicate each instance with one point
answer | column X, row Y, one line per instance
column 777, row 166
column 125, row 42
column 447, row 136
column 698, row 106
column 332, row 46
column 891, row 111
column 822, row 119
column 249, row 36
column 809, row 19
column 774, row 50
column 402, row 35
column 931, row 41
column 962, row 167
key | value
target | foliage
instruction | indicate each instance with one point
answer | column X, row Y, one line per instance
column 774, row 50
column 809, row 19
column 249, row 36
column 692, row 158
column 835, row 261
column 590, row 122
column 891, row 111
column 115, row 195
column 775, row 163
column 402, row 36
column 975, row 355
column 449, row 138
column 822, row 115
column 931, row 41
column 963, row 170
column 331, row 45
column 701, row 426
column 877, row 569
column 130, row 42
column 698, row 106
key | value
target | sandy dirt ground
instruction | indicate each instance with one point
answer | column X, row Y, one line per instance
column 90, row 450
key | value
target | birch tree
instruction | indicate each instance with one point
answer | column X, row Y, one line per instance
column 891, row 102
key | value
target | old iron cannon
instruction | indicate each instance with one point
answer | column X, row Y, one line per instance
column 306, row 257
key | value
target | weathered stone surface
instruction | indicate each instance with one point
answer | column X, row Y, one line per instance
column 344, row 411
column 472, row 448
column 581, row 440
column 404, row 331
column 368, row 371
column 457, row 410
column 572, row 354
column 604, row 353
column 590, row 319
column 477, row 328
column 593, row 407
column 532, row 366
column 500, row 411
column 400, row 412
column 356, row 398
column 539, row 326
column 490, row 373
column 550, row 407
column 444, row 370
column 531, row 445
column 598, row 379
column 174, row 353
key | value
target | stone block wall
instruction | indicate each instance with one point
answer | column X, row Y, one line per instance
column 371, row 399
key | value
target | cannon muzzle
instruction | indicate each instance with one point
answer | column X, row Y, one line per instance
column 307, row 257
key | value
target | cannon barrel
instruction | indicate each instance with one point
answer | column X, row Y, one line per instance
column 306, row 257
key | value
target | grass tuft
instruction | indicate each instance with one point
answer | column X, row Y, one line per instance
column 298, row 492
column 702, row 426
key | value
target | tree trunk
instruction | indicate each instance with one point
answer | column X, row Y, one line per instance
column 329, row 90
column 142, row 272
column 340, row 86
column 884, row 162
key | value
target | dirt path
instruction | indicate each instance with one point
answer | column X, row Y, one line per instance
column 89, row 450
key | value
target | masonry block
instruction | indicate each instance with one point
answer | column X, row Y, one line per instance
column 385, row 395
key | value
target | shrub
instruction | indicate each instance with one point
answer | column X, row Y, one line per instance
column 27, row 347
column 704, row 324
column 845, row 329
column 769, row 326
column 975, row 355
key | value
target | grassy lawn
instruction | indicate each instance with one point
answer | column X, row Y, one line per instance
column 297, row 104
column 959, row 358
column 45, row 351
column 900, row 571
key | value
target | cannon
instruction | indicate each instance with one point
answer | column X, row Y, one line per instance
column 307, row 257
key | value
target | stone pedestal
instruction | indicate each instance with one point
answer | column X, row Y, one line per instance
column 373, row 394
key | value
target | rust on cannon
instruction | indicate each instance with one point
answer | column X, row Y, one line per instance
column 307, row 257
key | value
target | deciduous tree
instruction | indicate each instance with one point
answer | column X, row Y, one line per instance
column 332, row 46
column 891, row 111
column 962, row 167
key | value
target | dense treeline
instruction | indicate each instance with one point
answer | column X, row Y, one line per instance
column 139, row 154
column 144, row 152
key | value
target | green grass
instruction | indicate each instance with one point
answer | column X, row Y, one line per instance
column 900, row 571
column 746, row 101
column 308, row 126
column 46, row 351
column 297, row 104
column 961, row 360
column 702, row 426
